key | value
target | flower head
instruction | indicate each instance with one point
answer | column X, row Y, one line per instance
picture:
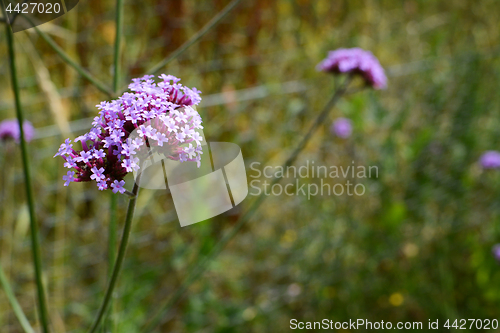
column 357, row 61
column 490, row 160
column 154, row 116
column 342, row 127
column 10, row 129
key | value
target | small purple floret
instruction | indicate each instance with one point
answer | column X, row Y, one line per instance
column 69, row 178
column 118, row 186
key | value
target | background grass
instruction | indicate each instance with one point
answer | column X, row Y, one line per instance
column 416, row 246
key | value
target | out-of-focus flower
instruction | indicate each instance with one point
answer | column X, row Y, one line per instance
column 9, row 129
column 490, row 160
column 356, row 61
column 162, row 115
column 396, row 299
column 341, row 127
column 496, row 251
column 294, row 290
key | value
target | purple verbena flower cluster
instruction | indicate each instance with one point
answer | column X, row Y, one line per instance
column 159, row 114
column 9, row 129
column 357, row 61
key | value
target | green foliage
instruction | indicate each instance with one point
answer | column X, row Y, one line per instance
column 415, row 246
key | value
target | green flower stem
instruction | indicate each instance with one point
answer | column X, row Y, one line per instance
column 112, row 231
column 114, row 197
column 112, row 228
column 118, row 42
column 119, row 260
column 82, row 71
column 18, row 311
column 116, row 80
column 203, row 264
column 35, row 243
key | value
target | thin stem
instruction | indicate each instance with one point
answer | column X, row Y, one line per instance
column 113, row 202
column 112, row 231
column 35, row 245
column 111, row 251
column 118, row 42
column 130, row 194
column 197, row 36
column 119, row 260
column 18, row 311
column 82, row 71
column 203, row 263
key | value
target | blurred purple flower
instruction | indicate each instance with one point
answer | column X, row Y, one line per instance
column 341, row 127
column 357, row 61
column 496, row 251
column 490, row 160
column 9, row 129
column 108, row 151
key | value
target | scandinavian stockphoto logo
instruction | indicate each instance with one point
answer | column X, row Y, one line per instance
column 199, row 190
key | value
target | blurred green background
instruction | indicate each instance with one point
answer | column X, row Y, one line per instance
column 416, row 246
